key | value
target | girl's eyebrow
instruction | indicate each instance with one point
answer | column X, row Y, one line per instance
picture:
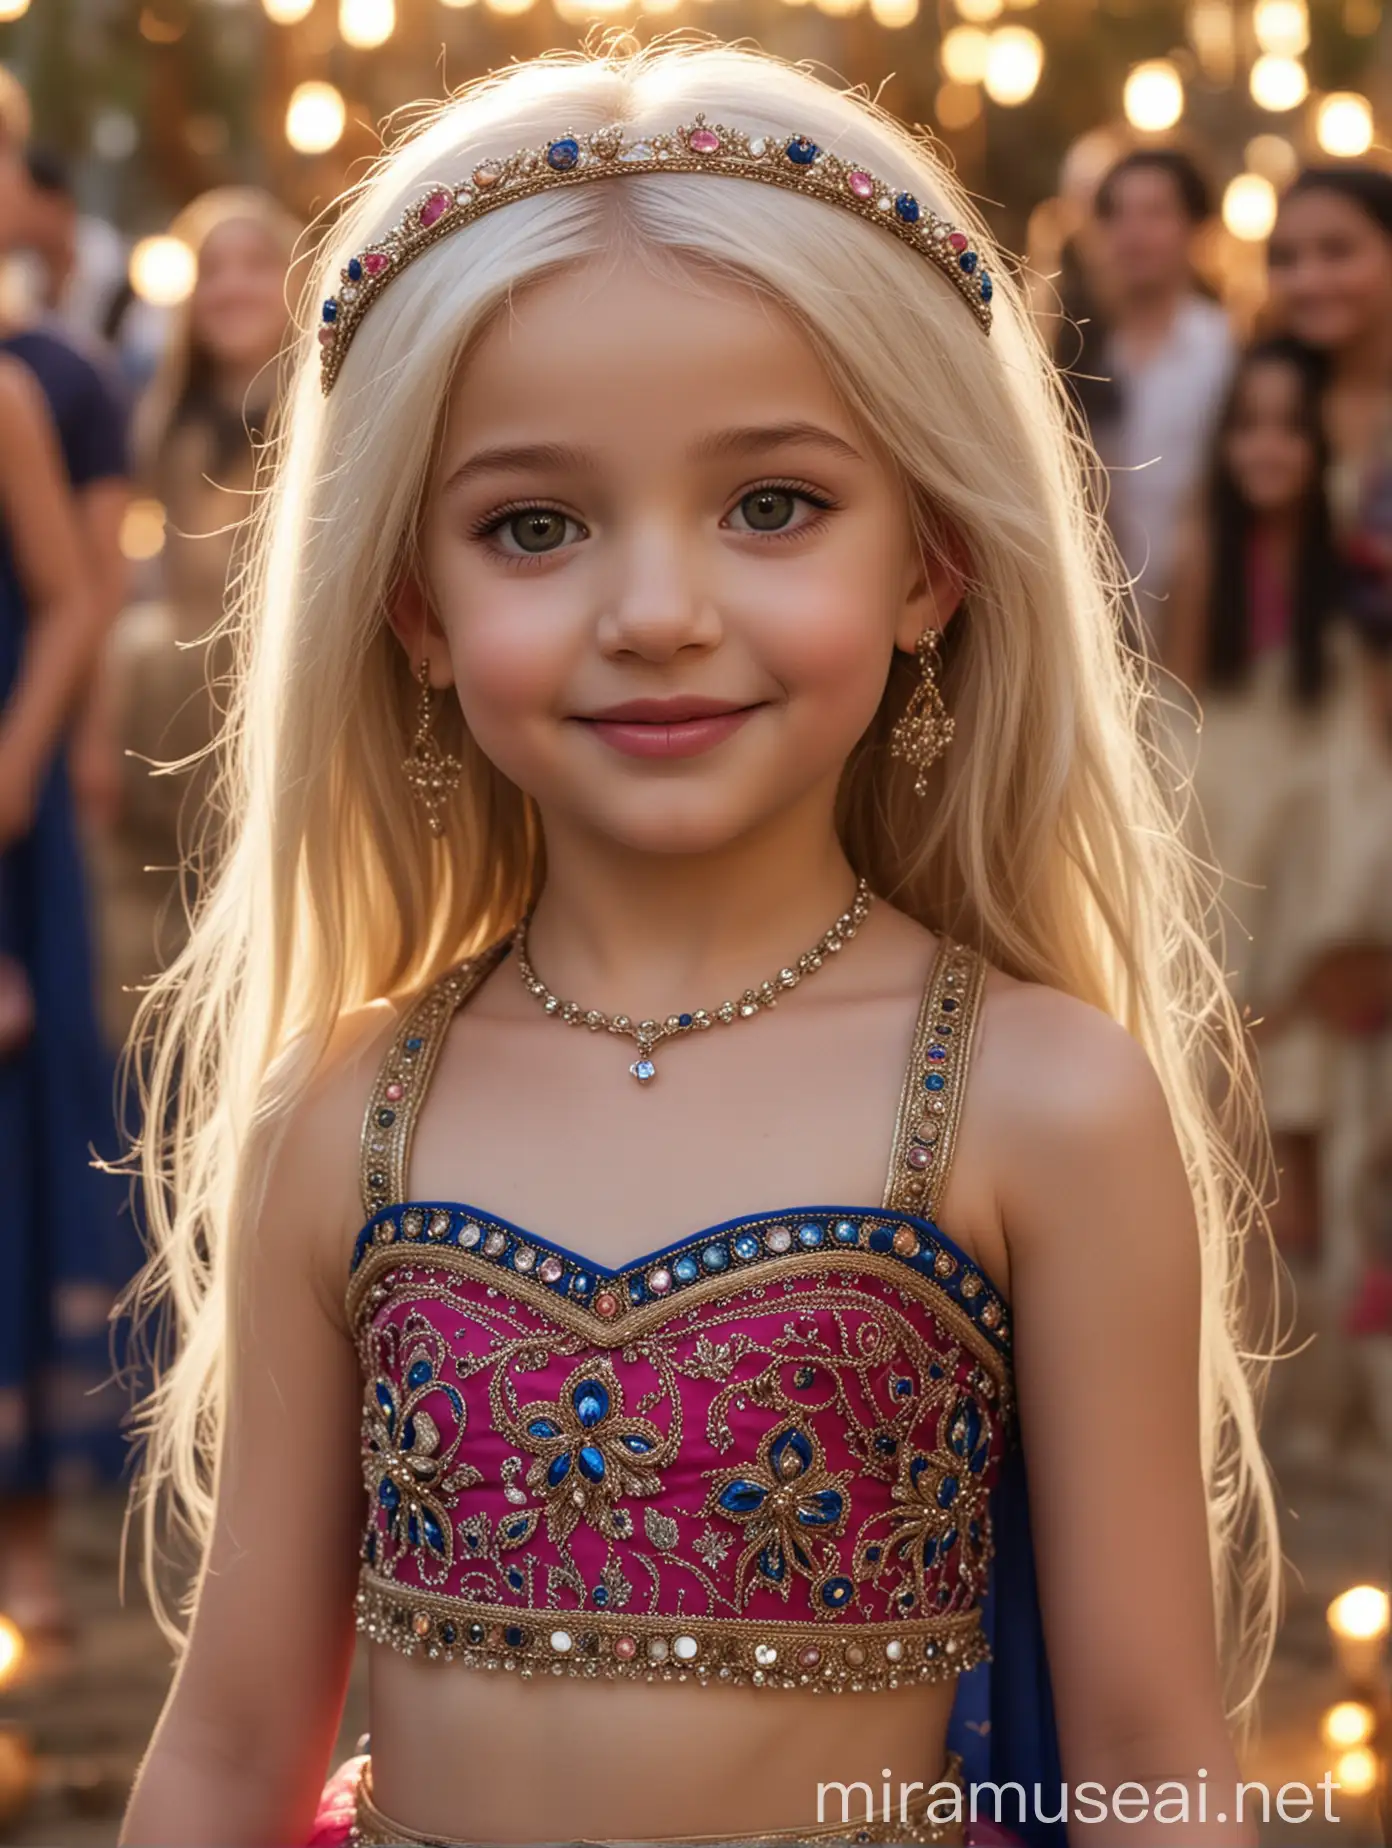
column 523, row 458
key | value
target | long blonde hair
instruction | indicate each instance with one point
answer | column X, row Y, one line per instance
column 1051, row 839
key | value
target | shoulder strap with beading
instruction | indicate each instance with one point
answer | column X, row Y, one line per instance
column 389, row 1124
column 930, row 1104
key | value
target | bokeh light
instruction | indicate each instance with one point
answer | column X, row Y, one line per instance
column 163, row 271
column 1348, row 1723
column 287, row 12
column 894, row 14
column 979, row 12
column 964, row 54
column 1360, row 1613
column 1273, row 157
column 1153, row 97
column 1357, row 1772
column 315, row 118
column 1249, row 207
column 13, row 9
column 365, row 24
column 1013, row 65
column 11, row 1638
column 142, row 530
column 1344, row 124
column 1279, row 83
column 957, row 106
column 1282, row 27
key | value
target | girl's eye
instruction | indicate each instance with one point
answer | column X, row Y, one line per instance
column 774, row 509
column 528, row 532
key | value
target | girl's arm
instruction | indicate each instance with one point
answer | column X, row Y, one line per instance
column 61, row 630
column 1104, row 1261
column 243, row 1743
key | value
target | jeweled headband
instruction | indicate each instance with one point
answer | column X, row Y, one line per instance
column 779, row 160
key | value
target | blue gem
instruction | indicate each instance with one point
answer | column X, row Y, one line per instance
column 600, row 1594
column 872, row 1555
column 643, row 1070
column 386, row 1118
column 559, row 1470
column 475, row 1633
column 515, row 1579
column 515, row 1636
column 741, row 1497
column 448, row 1634
column 882, row 1238
column 967, row 261
column 683, row 1020
column 591, row 1463
column 935, row 1372
column 408, row 1433
column 685, row 1270
column 847, row 1232
column 746, row 1246
column 419, row 1374
column 790, row 1440
column 771, row 1563
column 636, row 1292
column 389, row 1495
column 886, row 1445
column 906, row 207
column 902, row 1388
column 412, row 1531
column 810, row 1236
column 515, row 1529
column 934, row 1081
column 370, row 1549
column 387, row 1403
column 804, row 1376
column 715, row 1257
column 949, row 1006
column 330, row 311
column 638, row 1445
column 377, row 1179
column 434, row 1538
column 837, row 1593
column 947, row 1491
column 414, row 1045
column 988, row 288
column 591, row 1402
column 355, row 269
column 937, row 1052
column 581, row 1283
column 801, row 151
column 563, row 154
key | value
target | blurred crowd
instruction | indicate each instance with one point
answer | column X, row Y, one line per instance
column 1247, row 479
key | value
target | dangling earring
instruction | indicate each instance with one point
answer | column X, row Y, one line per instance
column 432, row 773
column 924, row 730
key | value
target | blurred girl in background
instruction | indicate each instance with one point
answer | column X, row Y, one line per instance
column 196, row 435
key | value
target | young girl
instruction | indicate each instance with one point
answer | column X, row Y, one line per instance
column 671, row 414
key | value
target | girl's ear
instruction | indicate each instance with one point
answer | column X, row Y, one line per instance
column 936, row 589
column 415, row 625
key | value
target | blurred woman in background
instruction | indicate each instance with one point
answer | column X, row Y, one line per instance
column 197, row 432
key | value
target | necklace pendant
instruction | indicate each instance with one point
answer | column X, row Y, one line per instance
column 643, row 1070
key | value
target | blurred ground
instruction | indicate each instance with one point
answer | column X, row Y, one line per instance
column 90, row 1728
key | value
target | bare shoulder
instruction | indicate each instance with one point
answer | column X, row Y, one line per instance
column 21, row 397
column 1073, row 1112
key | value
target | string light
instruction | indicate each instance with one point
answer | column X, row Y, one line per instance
column 509, row 9
column 979, row 12
column 458, row 5
column 1357, row 1772
column 1013, row 65
column 1153, row 97
column 1249, row 207
column 365, row 24
column 12, row 9
column 163, row 271
column 1282, row 27
column 964, row 54
column 1273, row 157
column 314, row 118
column 1348, row 1723
column 287, row 12
column 1344, row 124
column 1278, row 83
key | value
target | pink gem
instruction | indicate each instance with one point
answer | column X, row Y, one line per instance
column 606, row 1304
column 861, row 185
column 394, row 1093
column 326, row 336
column 435, row 208
column 550, row 1269
column 958, row 241
column 918, row 1157
column 625, row 1648
column 375, row 262
column 660, row 1281
column 809, row 1657
column 704, row 141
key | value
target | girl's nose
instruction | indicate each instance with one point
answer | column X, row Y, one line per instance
column 658, row 600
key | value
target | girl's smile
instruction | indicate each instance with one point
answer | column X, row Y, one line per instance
column 680, row 727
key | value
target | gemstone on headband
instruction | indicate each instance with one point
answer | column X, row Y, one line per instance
column 794, row 162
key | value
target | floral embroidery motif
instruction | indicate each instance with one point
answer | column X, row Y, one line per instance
column 588, row 1454
column 405, row 1470
column 787, row 1502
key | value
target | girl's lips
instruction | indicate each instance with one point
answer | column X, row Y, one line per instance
column 669, row 737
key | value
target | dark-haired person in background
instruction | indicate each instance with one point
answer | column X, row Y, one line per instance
column 1168, row 351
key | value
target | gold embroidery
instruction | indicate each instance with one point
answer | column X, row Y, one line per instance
column 930, row 1104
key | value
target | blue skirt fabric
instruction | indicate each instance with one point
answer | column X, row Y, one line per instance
column 68, row 1243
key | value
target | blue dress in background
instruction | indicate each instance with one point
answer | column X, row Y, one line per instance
column 68, row 1243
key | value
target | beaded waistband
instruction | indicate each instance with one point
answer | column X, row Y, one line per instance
column 371, row 1829
column 730, row 1651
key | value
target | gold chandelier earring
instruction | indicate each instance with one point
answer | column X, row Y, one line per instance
column 432, row 773
column 924, row 730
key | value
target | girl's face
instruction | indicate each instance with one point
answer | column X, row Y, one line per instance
column 238, row 305
column 1331, row 270
column 1267, row 449
column 666, row 568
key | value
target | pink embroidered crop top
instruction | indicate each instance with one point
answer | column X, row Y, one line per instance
column 762, row 1454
